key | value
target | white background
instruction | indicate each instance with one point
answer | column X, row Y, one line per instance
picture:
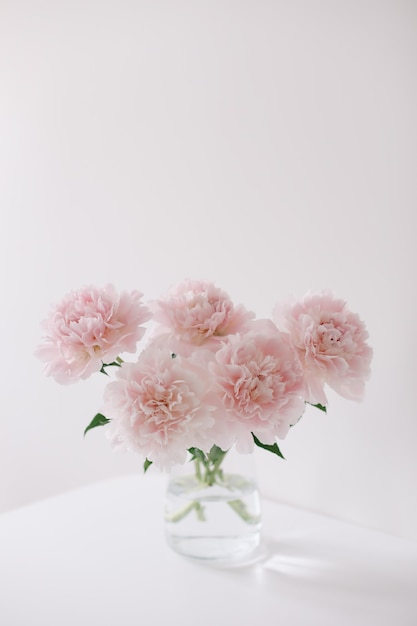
column 268, row 146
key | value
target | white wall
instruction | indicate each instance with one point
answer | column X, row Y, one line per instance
column 268, row 146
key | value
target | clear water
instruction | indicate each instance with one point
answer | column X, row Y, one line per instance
column 217, row 522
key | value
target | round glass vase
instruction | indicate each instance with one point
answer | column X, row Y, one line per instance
column 212, row 506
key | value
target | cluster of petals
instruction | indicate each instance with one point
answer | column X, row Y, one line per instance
column 259, row 381
column 331, row 343
column 89, row 327
column 160, row 406
column 197, row 313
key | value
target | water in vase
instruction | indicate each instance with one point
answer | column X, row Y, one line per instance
column 220, row 521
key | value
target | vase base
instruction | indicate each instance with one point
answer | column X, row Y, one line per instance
column 215, row 549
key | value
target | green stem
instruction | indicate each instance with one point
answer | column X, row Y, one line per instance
column 179, row 515
column 214, row 471
column 209, row 472
column 240, row 508
column 198, row 470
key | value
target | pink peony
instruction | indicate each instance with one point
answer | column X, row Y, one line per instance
column 331, row 344
column 160, row 406
column 197, row 313
column 259, row 380
column 91, row 326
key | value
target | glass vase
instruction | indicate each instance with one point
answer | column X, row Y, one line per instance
column 212, row 506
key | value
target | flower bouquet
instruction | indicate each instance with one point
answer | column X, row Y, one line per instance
column 210, row 377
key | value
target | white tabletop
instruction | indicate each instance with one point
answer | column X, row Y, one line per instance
column 97, row 556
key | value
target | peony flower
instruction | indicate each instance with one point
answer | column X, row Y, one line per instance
column 259, row 380
column 197, row 313
column 331, row 344
column 90, row 326
column 160, row 406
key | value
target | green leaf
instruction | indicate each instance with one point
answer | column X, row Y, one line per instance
column 196, row 453
column 319, row 406
column 146, row 465
column 98, row 420
column 271, row 448
column 117, row 363
column 215, row 454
